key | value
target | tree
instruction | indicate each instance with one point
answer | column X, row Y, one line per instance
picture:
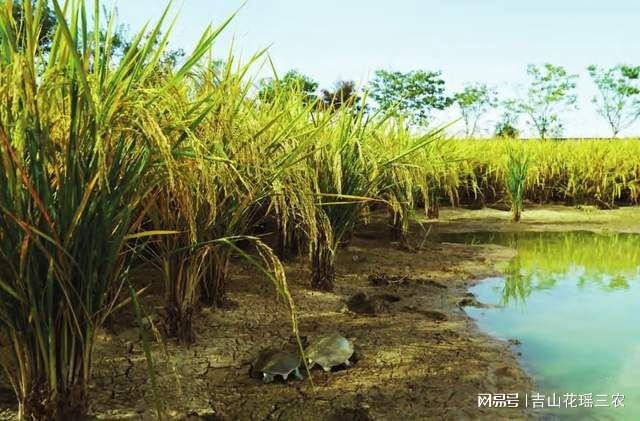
column 618, row 95
column 413, row 95
column 551, row 91
column 507, row 125
column 343, row 93
column 292, row 81
column 474, row 101
column 506, row 130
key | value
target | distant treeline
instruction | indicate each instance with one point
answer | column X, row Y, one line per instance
column 550, row 92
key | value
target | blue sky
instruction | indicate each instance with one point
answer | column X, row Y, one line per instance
column 469, row 40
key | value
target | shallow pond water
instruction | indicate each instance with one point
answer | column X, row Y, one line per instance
column 572, row 300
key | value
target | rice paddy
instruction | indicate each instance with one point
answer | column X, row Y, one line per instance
column 136, row 189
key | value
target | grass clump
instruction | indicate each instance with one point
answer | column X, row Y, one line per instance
column 516, row 174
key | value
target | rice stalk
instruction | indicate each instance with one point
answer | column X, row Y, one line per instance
column 516, row 173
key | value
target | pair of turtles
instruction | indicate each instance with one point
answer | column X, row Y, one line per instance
column 327, row 351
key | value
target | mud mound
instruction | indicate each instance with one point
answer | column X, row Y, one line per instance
column 363, row 304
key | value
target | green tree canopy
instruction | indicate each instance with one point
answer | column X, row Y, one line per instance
column 292, row 81
column 507, row 126
column 343, row 93
column 414, row 94
column 618, row 98
column 551, row 91
column 474, row 101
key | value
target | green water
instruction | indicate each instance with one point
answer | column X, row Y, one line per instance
column 572, row 300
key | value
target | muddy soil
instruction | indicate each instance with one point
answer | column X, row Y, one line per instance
column 541, row 218
column 418, row 356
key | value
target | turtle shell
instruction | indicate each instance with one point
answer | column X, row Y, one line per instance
column 329, row 351
column 274, row 363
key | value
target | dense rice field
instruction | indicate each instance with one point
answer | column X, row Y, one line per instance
column 595, row 171
column 598, row 171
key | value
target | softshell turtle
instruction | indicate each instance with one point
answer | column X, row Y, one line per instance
column 329, row 351
column 273, row 363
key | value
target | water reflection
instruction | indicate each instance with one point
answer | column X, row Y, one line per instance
column 571, row 300
column 607, row 260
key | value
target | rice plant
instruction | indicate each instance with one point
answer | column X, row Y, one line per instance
column 516, row 173
column 351, row 173
column 248, row 189
column 343, row 183
column 404, row 183
column 77, row 140
column 222, row 189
